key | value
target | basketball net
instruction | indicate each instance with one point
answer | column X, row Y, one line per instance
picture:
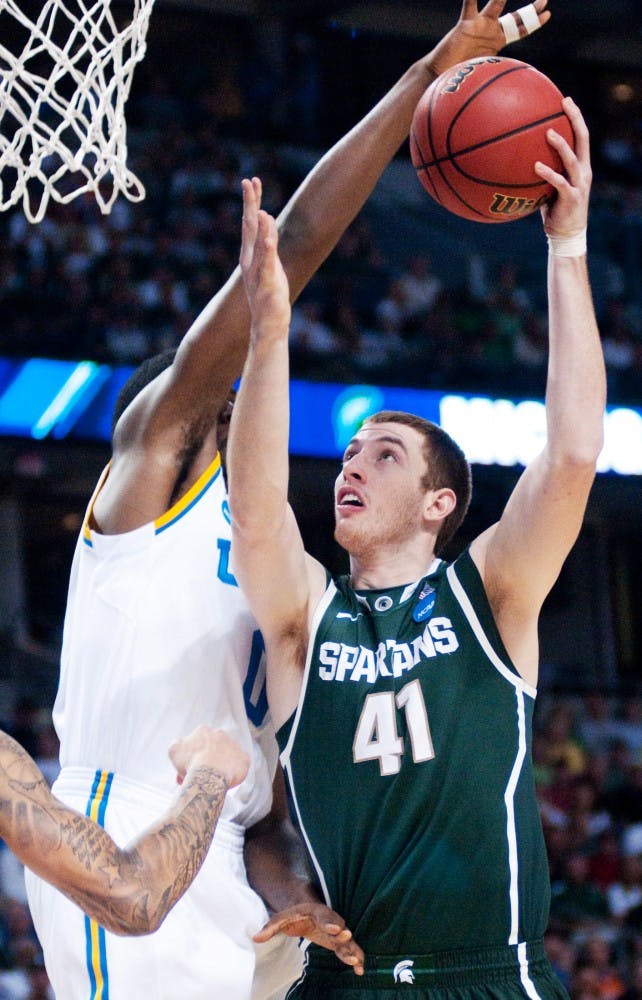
column 65, row 76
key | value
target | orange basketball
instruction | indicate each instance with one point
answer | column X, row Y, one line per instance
column 477, row 132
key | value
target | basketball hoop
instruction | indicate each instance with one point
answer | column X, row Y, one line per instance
column 66, row 69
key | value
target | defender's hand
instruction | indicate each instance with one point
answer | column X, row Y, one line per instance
column 480, row 32
column 212, row 748
column 317, row 923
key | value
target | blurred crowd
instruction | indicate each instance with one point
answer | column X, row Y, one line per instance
column 121, row 287
column 588, row 758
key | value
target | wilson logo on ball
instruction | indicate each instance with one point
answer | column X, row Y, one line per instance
column 505, row 205
column 461, row 74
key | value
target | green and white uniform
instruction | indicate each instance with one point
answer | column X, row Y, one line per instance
column 409, row 767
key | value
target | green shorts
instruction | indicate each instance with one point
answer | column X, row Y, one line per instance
column 506, row 973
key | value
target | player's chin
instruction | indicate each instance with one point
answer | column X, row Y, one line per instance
column 339, row 529
column 347, row 529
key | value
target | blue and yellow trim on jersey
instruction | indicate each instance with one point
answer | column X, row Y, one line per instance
column 175, row 512
column 96, row 952
column 192, row 496
column 86, row 530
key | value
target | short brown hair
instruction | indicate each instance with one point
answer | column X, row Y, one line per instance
column 446, row 465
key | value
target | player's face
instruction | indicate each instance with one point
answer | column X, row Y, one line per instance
column 378, row 493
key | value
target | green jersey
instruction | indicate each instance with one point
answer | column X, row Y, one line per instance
column 408, row 762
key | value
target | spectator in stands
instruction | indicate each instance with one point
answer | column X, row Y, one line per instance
column 157, row 106
column 597, row 955
column 563, row 746
column 585, row 820
column 442, row 344
column 617, row 335
column 557, row 849
column 561, row 954
column 626, row 893
column 628, row 725
column 624, row 800
column 595, row 722
column 543, row 770
column 420, row 287
column 530, row 343
column 342, row 317
column 584, row 984
column 575, row 901
column 634, row 979
column 391, row 311
column 357, row 251
column 39, row 986
column 17, row 981
column 126, row 340
column 309, row 335
column 605, row 862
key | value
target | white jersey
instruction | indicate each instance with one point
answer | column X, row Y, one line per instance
column 158, row 639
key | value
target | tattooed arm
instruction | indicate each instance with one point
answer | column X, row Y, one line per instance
column 126, row 890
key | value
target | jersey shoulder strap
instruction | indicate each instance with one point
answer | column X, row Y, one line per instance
column 468, row 589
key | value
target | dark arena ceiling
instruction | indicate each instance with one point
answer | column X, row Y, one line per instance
column 603, row 31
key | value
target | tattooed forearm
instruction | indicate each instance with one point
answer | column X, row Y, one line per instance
column 168, row 856
column 27, row 806
column 126, row 890
column 142, row 883
column 32, row 817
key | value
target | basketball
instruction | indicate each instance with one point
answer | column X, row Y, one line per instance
column 477, row 132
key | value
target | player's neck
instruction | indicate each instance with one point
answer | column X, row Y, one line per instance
column 389, row 568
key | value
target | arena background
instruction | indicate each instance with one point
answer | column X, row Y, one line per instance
column 232, row 86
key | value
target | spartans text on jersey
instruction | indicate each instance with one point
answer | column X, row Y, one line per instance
column 340, row 662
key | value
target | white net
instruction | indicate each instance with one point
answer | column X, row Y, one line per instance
column 66, row 69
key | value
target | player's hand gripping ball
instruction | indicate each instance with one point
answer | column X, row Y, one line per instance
column 477, row 132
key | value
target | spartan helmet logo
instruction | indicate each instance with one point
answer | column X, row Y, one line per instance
column 402, row 971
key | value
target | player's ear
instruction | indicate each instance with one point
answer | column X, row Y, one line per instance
column 439, row 504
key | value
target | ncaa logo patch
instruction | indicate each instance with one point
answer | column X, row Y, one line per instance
column 425, row 604
column 402, row 972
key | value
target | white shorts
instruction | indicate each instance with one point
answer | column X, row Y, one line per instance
column 203, row 950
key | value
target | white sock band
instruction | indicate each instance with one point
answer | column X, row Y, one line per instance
column 529, row 19
column 567, row 246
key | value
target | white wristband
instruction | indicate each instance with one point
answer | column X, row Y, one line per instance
column 567, row 246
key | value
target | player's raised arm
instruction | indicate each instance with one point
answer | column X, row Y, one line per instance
column 280, row 582
column 130, row 890
column 211, row 355
column 520, row 558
